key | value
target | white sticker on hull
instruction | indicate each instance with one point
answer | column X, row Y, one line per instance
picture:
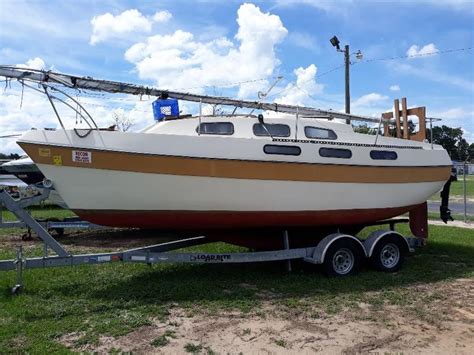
column 82, row 156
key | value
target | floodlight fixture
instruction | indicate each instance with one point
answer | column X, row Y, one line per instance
column 335, row 42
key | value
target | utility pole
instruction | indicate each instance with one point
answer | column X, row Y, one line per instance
column 347, row 63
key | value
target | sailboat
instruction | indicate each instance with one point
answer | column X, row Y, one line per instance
column 220, row 174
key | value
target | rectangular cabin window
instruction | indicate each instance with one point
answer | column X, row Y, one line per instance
column 383, row 155
column 319, row 133
column 335, row 153
column 282, row 149
column 275, row 129
column 219, row 128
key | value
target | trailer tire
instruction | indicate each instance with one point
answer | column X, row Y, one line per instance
column 389, row 254
column 342, row 258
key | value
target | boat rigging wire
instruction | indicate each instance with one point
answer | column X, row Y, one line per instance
column 58, row 99
column 54, row 107
column 263, row 95
column 11, row 136
column 22, row 92
column 127, row 88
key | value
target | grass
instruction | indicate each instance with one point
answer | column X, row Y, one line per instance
column 457, row 188
column 163, row 339
column 160, row 341
column 281, row 342
column 40, row 211
column 457, row 217
column 192, row 348
column 115, row 299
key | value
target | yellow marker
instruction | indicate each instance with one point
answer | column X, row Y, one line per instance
column 44, row 152
column 57, row 160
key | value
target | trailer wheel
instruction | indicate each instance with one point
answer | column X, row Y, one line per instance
column 388, row 254
column 342, row 258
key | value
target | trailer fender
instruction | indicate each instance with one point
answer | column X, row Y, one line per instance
column 375, row 237
column 322, row 247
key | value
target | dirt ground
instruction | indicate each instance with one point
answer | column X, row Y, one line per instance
column 448, row 328
column 441, row 326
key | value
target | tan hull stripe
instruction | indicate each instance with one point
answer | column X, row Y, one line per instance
column 237, row 169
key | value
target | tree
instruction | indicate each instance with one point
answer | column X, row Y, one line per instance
column 452, row 140
column 365, row 129
column 122, row 122
column 10, row 156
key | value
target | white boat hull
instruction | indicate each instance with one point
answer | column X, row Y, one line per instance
column 96, row 189
column 150, row 181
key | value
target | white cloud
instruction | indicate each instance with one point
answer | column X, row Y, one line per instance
column 180, row 61
column 162, row 16
column 35, row 63
column 108, row 26
column 250, row 90
column 456, row 117
column 415, row 50
column 394, row 88
column 456, row 113
column 369, row 100
column 306, row 86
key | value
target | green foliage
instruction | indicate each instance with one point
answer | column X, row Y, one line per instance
column 281, row 342
column 192, row 348
column 160, row 341
column 452, row 140
column 9, row 156
column 365, row 129
column 457, row 188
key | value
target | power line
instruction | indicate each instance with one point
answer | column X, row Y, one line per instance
column 290, row 87
column 293, row 86
column 415, row 55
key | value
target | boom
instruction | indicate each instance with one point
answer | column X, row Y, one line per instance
column 88, row 83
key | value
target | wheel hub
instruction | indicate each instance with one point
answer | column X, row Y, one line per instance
column 390, row 255
column 343, row 261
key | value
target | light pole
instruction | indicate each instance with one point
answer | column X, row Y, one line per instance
column 347, row 62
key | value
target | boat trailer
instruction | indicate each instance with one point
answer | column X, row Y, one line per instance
column 160, row 253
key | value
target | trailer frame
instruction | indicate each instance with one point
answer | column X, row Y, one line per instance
column 164, row 252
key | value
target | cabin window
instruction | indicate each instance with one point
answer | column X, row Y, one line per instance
column 219, row 128
column 335, row 153
column 282, row 149
column 319, row 133
column 276, row 130
column 383, row 155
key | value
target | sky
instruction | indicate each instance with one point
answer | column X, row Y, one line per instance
column 421, row 50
